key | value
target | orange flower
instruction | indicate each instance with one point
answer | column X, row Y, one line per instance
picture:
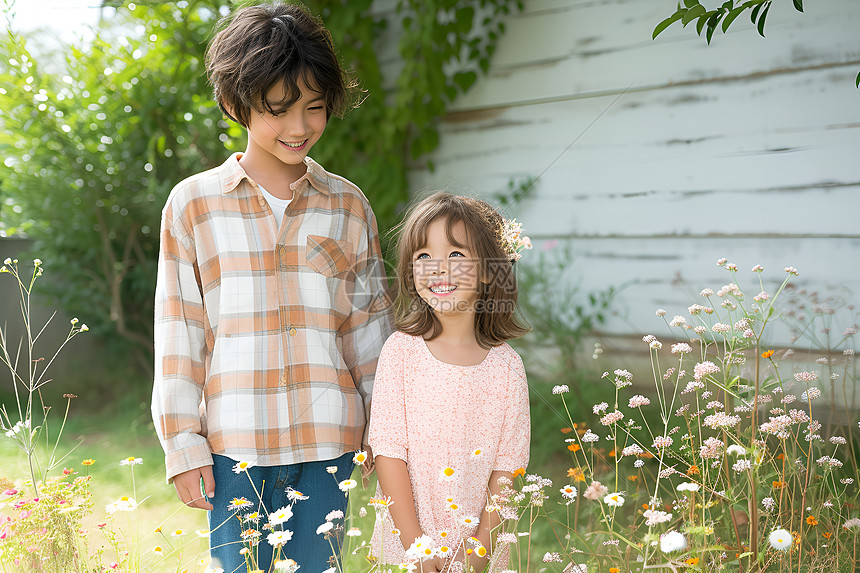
column 646, row 455
column 692, row 561
column 573, row 447
column 780, row 457
column 811, row 520
column 566, row 430
column 644, row 506
column 614, row 570
column 632, row 478
column 778, row 484
column 692, row 470
column 612, row 454
column 827, row 535
column 576, row 473
column 767, row 354
column 88, row 462
column 520, row 472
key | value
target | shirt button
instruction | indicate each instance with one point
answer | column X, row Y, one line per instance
column 292, row 332
column 283, row 378
column 261, row 201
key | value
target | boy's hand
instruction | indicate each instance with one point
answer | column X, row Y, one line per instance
column 188, row 489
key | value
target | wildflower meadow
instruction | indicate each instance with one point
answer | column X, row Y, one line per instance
column 736, row 450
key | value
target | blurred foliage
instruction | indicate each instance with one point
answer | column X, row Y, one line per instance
column 91, row 152
column 561, row 316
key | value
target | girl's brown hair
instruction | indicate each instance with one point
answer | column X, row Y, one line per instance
column 262, row 46
column 496, row 307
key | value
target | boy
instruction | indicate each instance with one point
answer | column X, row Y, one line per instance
column 270, row 303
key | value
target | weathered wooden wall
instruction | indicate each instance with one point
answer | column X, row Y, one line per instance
column 655, row 158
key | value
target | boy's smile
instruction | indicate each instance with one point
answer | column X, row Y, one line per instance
column 279, row 141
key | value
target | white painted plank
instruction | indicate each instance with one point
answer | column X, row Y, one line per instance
column 669, row 154
column 598, row 47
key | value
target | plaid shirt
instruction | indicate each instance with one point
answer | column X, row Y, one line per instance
column 266, row 339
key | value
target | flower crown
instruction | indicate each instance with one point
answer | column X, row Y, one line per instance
column 512, row 241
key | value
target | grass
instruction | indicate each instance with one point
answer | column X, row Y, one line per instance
column 126, row 429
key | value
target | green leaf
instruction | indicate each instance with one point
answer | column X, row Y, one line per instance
column 692, row 3
column 857, row 81
column 798, row 5
column 465, row 80
column 692, row 14
column 668, row 22
column 465, row 16
column 700, row 24
column 731, row 17
column 713, row 22
column 760, row 25
column 754, row 15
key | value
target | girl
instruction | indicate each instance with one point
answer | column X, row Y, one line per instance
column 450, row 402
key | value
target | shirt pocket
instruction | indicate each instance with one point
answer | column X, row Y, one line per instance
column 328, row 256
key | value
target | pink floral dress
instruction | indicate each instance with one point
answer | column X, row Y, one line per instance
column 435, row 415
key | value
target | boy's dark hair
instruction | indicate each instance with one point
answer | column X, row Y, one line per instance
column 262, row 46
column 495, row 316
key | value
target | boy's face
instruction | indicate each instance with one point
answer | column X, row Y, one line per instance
column 287, row 136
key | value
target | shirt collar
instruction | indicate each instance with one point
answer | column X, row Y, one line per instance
column 233, row 175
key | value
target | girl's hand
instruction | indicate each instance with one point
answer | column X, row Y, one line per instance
column 434, row 565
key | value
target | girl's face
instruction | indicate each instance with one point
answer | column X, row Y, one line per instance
column 446, row 272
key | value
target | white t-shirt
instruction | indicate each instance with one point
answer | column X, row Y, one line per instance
column 278, row 206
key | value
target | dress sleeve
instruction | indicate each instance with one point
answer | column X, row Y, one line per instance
column 516, row 425
column 387, row 433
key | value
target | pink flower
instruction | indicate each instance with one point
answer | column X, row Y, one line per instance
column 632, row 450
column 662, row 442
column 611, row 418
column 704, row 368
column 806, row 376
column 25, row 514
column 595, row 491
column 711, row 449
column 792, row 271
column 10, row 491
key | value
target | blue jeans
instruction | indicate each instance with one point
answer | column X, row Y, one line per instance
column 310, row 550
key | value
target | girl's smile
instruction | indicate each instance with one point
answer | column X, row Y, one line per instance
column 442, row 289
